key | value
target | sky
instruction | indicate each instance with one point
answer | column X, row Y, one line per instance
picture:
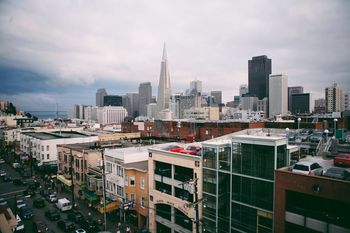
column 60, row 52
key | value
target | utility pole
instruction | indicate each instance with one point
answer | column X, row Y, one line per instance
column 104, row 189
column 194, row 184
column 71, row 177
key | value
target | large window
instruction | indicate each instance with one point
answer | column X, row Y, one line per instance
column 163, row 211
column 224, row 194
column 108, row 167
column 282, row 156
column 225, row 158
column 163, row 169
column 253, row 192
column 164, row 188
column 209, row 181
column 209, row 206
column 183, row 194
column 253, row 160
column 244, row 218
column 183, row 173
column 209, row 157
column 182, row 220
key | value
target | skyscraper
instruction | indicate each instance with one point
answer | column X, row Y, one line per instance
column 196, row 85
column 278, row 95
column 131, row 104
column 259, row 69
column 243, row 89
column 112, row 100
column 217, row 96
column 99, row 96
column 333, row 98
column 301, row 103
column 164, row 87
column 145, row 97
column 292, row 91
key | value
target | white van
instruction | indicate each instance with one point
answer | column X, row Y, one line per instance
column 63, row 204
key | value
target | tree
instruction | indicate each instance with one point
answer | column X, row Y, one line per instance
column 11, row 109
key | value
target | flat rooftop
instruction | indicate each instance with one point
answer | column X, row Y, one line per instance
column 56, row 135
column 142, row 165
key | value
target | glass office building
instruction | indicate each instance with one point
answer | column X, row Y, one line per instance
column 238, row 182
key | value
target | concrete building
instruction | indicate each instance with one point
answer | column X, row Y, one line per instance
column 346, row 101
column 90, row 113
column 334, row 97
column 320, row 105
column 112, row 100
column 305, row 203
column 181, row 102
column 173, row 184
column 43, row 145
column 292, row 91
column 164, row 86
column 217, row 97
column 243, row 89
column 131, row 104
column 301, row 103
column 278, row 95
column 249, row 102
column 204, row 113
column 238, row 181
column 259, row 69
column 152, row 110
column 111, row 115
column 99, row 97
column 196, row 86
column 263, row 105
column 145, row 96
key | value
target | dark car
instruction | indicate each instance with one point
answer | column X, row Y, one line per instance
column 45, row 192
column 33, row 184
column 66, row 225
column 39, row 226
column 90, row 225
column 76, row 216
column 316, row 137
column 29, row 192
column 25, row 174
column 53, row 215
column 337, row 173
column 6, row 178
column 39, row 203
column 26, row 212
column 18, row 181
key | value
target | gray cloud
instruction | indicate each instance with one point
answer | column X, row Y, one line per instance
column 84, row 44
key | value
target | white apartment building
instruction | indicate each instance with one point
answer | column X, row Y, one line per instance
column 346, row 104
column 115, row 160
column 278, row 95
column 111, row 115
column 334, row 97
column 43, row 145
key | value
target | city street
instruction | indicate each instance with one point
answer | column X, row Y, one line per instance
column 12, row 192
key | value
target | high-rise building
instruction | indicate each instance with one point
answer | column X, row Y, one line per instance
column 249, row 102
column 346, row 104
column 301, row 103
column 112, row 100
column 99, row 96
column 131, row 103
column 263, row 105
column 320, row 105
column 164, row 87
column 243, row 89
column 278, row 95
column 333, row 98
column 196, row 85
column 259, row 69
column 292, row 91
column 217, row 97
column 145, row 97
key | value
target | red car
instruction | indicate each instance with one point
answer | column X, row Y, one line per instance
column 191, row 150
column 175, row 148
column 342, row 160
column 40, row 226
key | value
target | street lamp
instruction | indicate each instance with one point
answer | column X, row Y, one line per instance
column 335, row 125
column 326, row 132
column 299, row 119
column 287, row 134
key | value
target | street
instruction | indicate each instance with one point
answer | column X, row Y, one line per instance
column 12, row 192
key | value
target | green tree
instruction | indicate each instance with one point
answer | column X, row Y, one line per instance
column 11, row 109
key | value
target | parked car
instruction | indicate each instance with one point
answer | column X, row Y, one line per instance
column 26, row 212
column 316, row 137
column 39, row 203
column 51, row 198
column 2, row 173
column 66, row 225
column 307, row 168
column 80, row 230
column 63, row 204
column 53, row 215
column 174, row 148
column 6, row 178
column 39, row 226
column 76, row 216
column 291, row 135
column 29, row 192
column 191, row 150
column 3, row 201
column 17, row 181
column 90, row 225
column 33, row 184
column 16, row 165
column 2, row 161
column 19, row 204
column 337, row 173
column 45, row 192
column 342, row 160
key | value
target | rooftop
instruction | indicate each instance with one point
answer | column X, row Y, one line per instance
column 56, row 135
column 142, row 165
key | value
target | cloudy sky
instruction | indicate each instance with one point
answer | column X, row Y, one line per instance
column 63, row 51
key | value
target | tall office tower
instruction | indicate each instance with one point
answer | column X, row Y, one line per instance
column 292, row 91
column 112, row 100
column 243, row 89
column 333, row 98
column 278, row 95
column 196, row 85
column 164, row 87
column 99, row 96
column 217, row 96
column 145, row 97
column 259, row 69
column 131, row 103
column 301, row 103
column 346, row 105
column 320, row 105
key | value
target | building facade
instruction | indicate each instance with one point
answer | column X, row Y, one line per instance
column 333, row 98
column 243, row 89
column 346, row 101
column 99, row 97
column 112, row 100
column 173, row 185
column 204, row 113
column 259, row 69
column 145, row 96
column 292, row 91
column 238, row 182
column 301, row 103
column 217, row 97
column 320, row 105
column 278, row 95
column 111, row 115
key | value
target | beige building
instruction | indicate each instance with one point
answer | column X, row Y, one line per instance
column 204, row 113
column 136, row 190
column 172, row 182
column 334, row 97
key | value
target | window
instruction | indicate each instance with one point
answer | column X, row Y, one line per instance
column 126, row 181
column 132, row 181
column 48, row 156
column 142, row 182
column 133, row 197
column 120, row 191
column 47, row 147
column 42, row 148
column 119, row 171
column 85, row 164
column 142, row 202
column 109, row 167
column 42, row 157
column 77, row 163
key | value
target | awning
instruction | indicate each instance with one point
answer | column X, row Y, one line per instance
column 90, row 195
column 84, row 185
column 111, row 206
column 64, row 180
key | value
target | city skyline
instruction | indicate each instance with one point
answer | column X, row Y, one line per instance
column 117, row 46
